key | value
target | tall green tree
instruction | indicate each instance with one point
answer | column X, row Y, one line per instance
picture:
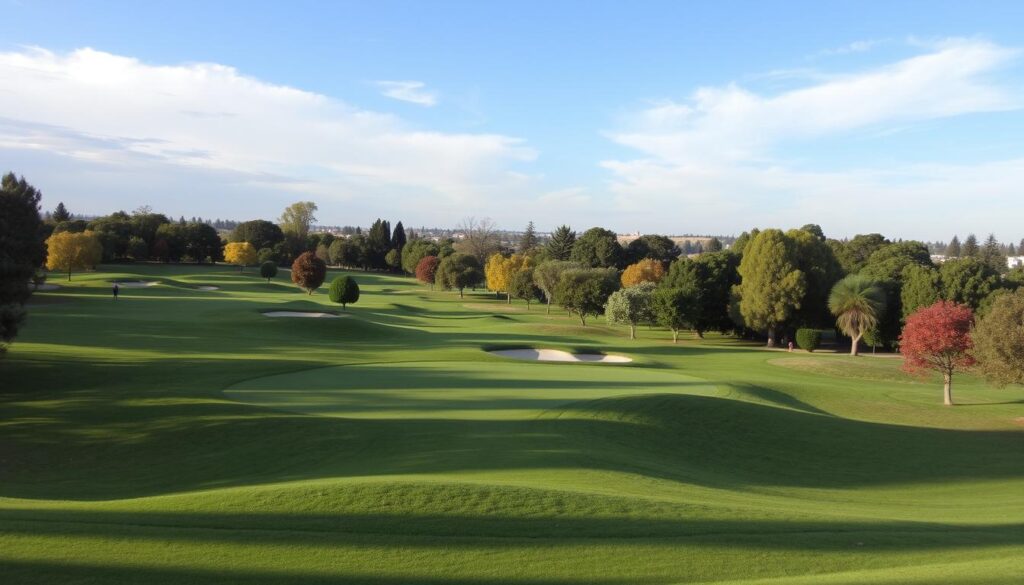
column 258, row 232
column 631, row 306
column 60, row 213
column 992, row 254
column 548, row 275
column 655, row 247
column 771, row 285
column 853, row 255
column 528, row 242
column 398, row 239
column 953, row 249
column 999, row 340
column 21, row 251
column 459, row 271
column 560, row 246
column 676, row 308
column 821, row 270
column 598, row 248
column 585, row 291
column 297, row 219
column 970, row 248
column 858, row 302
column 968, row 281
column 708, row 281
column 921, row 287
column 378, row 242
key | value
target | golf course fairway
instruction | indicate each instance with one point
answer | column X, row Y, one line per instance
column 176, row 435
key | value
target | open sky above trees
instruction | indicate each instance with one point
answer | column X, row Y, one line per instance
column 660, row 117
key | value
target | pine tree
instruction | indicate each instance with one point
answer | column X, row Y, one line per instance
column 60, row 213
column 992, row 254
column 528, row 241
column 970, row 247
column 1010, row 250
column 398, row 238
column 559, row 247
column 953, row 249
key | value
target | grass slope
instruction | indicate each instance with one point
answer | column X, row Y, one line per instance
column 178, row 435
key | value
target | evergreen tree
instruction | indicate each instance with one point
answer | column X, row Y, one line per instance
column 398, row 238
column 993, row 255
column 60, row 213
column 970, row 248
column 528, row 241
column 953, row 249
column 21, row 251
column 1010, row 250
column 559, row 247
column 378, row 242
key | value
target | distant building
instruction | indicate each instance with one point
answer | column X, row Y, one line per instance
column 1014, row 261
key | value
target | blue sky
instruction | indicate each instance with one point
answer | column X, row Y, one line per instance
column 659, row 117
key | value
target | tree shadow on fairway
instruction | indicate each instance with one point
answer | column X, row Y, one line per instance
column 34, row 572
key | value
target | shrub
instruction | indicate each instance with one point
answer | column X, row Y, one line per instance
column 268, row 270
column 809, row 339
column 344, row 290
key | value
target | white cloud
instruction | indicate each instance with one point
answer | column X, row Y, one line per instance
column 716, row 156
column 408, row 91
column 116, row 112
column 861, row 46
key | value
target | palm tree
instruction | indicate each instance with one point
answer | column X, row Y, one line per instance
column 858, row 303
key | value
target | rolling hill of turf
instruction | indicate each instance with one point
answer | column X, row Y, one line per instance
column 178, row 435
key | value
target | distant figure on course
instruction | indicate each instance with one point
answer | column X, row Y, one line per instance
column 791, row 346
column 117, row 289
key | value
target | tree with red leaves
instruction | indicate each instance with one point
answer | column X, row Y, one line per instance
column 308, row 271
column 938, row 338
column 425, row 270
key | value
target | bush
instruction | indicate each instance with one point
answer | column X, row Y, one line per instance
column 809, row 339
column 268, row 270
column 344, row 290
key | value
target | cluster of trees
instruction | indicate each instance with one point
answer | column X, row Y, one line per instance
column 991, row 252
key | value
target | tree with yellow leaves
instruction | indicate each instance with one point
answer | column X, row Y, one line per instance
column 646, row 270
column 501, row 271
column 240, row 253
column 73, row 251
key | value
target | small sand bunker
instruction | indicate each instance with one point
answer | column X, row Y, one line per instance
column 136, row 283
column 300, row 314
column 46, row 287
column 207, row 288
column 557, row 355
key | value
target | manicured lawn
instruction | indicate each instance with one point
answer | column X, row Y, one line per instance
column 180, row 436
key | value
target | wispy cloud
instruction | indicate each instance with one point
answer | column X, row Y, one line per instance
column 861, row 46
column 117, row 112
column 408, row 91
column 719, row 151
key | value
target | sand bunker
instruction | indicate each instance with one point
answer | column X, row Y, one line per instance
column 300, row 314
column 207, row 288
column 557, row 355
column 136, row 283
column 46, row 287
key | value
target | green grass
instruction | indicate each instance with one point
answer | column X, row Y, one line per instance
column 180, row 436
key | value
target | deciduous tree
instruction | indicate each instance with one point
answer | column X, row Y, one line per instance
column 258, row 232
column 597, row 248
column 708, row 280
column 647, row 270
column 308, row 272
column 585, row 291
column 268, row 270
column 548, row 275
column 673, row 307
column 938, row 338
column 631, row 306
column 69, row 251
column 298, row 218
column 999, row 340
column 416, row 250
column 459, row 271
column 426, row 270
column 240, row 253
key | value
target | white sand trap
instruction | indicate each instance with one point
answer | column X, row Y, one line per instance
column 557, row 355
column 300, row 314
column 46, row 287
column 136, row 283
column 207, row 288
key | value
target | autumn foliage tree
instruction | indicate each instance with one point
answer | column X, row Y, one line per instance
column 69, row 251
column 426, row 269
column 646, row 270
column 308, row 271
column 240, row 253
column 938, row 338
column 501, row 271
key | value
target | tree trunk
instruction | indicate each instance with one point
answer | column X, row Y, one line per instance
column 855, row 346
column 771, row 337
column 583, row 319
column 675, row 336
column 947, row 389
column 549, row 306
column 508, row 297
column 632, row 331
column 69, row 274
column 460, row 293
